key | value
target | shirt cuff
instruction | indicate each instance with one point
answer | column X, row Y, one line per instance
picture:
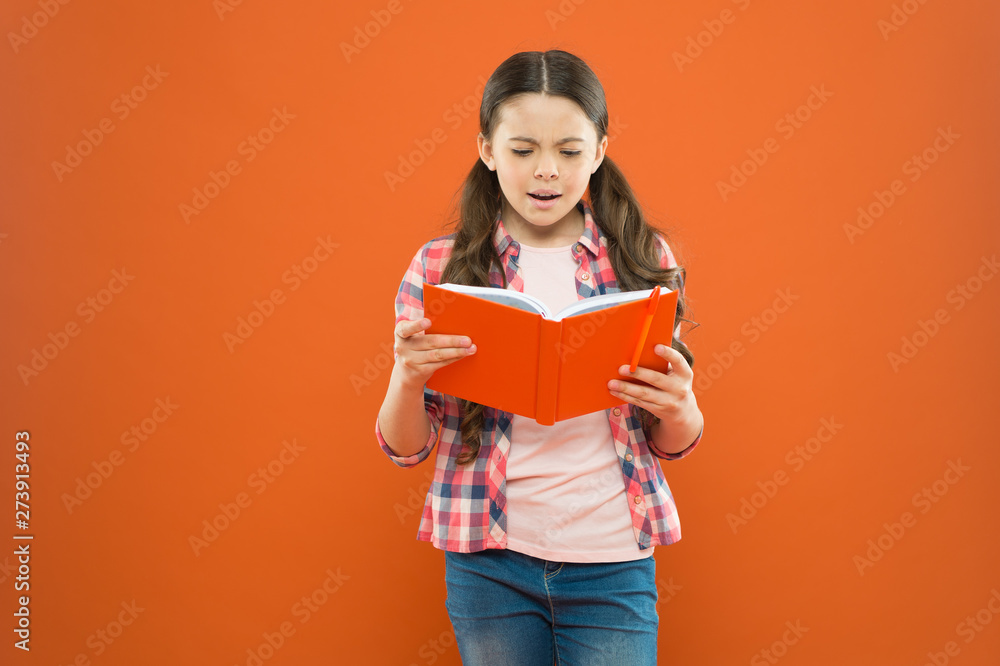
column 679, row 454
column 405, row 461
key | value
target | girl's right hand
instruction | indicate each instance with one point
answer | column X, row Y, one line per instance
column 419, row 354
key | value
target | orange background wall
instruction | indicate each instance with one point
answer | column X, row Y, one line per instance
column 822, row 543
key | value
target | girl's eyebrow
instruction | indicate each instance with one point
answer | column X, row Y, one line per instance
column 532, row 140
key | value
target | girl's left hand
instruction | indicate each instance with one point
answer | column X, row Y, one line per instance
column 669, row 396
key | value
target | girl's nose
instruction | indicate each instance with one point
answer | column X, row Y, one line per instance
column 546, row 169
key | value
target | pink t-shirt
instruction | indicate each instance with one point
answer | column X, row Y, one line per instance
column 566, row 498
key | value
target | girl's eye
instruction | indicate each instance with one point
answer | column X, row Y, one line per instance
column 567, row 153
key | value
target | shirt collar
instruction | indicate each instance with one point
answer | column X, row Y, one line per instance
column 590, row 239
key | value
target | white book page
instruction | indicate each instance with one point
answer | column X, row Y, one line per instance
column 510, row 297
column 600, row 302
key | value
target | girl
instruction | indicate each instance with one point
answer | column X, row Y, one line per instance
column 548, row 531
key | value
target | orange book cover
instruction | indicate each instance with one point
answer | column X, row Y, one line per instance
column 543, row 365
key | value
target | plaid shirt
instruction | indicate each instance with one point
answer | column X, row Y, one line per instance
column 464, row 508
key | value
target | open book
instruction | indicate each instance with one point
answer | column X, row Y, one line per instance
column 539, row 364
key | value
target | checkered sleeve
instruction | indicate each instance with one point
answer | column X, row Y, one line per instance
column 410, row 306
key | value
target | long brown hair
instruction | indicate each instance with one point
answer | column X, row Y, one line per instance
column 632, row 246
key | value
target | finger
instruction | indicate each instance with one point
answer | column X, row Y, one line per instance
column 441, row 340
column 446, row 355
column 637, row 391
column 648, row 375
column 436, row 341
column 627, row 392
column 405, row 329
column 438, row 356
column 677, row 368
column 655, row 402
column 678, row 364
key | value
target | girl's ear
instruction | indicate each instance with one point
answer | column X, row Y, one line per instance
column 485, row 151
column 602, row 148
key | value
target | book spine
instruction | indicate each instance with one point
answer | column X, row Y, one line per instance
column 548, row 371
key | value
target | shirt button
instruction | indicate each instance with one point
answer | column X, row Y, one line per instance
column 585, row 277
column 617, row 411
column 628, row 457
column 638, row 499
column 578, row 247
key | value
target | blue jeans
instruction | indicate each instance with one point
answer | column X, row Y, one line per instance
column 510, row 608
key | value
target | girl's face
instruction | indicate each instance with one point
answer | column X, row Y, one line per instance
column 543, row 144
